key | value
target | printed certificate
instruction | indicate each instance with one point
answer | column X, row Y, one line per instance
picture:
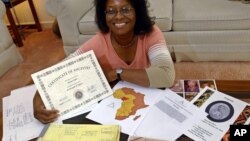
column 74, row 83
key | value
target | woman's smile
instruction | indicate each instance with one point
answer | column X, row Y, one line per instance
column 120, row 25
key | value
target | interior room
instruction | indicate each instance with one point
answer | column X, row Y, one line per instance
column 212, row 43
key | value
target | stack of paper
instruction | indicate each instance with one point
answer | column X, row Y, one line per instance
column 163, row 115
column 19, row 123
column 207, row 117
column 81, row 132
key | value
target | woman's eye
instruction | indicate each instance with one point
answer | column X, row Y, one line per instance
column 110, row 12
column 125, row 10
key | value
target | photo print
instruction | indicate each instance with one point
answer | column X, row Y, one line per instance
column 208, row 83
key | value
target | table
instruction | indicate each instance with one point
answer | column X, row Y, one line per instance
column 236, row 88
column 13, row 26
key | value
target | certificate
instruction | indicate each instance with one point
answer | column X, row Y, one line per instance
column 72, row 84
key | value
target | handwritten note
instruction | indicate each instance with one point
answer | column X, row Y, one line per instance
column 86, row 132
column 19, row 123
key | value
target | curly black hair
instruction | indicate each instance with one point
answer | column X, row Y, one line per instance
column 143, row 24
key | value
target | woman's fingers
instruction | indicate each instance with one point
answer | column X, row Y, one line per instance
column 46, row 116
column 40, row 113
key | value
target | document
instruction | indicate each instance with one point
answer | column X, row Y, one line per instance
column 221, row 111
column 206, row 118
column 19, row 123
column 126, row 107
column 72, row 84
column 81, row 132
column 166, row 117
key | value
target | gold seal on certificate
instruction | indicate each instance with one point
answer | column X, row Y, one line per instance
column 74, row 83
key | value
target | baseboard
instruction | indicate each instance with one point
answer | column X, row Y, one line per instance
column 46, row 24
column 30, row 25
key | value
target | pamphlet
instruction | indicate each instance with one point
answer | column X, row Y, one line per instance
column 222, row 110
column 208, row 117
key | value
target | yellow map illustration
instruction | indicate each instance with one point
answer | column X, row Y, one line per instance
column 131, row 102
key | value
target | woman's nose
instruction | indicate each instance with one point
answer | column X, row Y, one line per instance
column 119, row 15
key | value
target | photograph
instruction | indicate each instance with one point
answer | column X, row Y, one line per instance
column 191, row 86
column 178, row 86
column 189, row 96
column 208, row 83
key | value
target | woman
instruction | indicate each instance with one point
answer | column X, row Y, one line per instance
column 129, row 48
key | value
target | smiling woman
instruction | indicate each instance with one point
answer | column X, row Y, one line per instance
column 130, row 41
column 129, row 47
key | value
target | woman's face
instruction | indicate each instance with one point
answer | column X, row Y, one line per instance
column 120, row 17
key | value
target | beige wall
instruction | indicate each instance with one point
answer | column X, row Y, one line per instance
column 24, row 14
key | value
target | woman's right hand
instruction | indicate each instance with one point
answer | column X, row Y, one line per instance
column 40, row 112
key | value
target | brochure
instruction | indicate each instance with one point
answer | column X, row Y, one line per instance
column 207, row 117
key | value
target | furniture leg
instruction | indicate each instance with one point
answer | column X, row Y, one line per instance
column 14, row 28
column 33, row 11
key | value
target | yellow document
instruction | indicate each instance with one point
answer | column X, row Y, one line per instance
column 81, row 132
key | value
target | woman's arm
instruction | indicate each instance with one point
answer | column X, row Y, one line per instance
column 160, row 74
column 138, row 76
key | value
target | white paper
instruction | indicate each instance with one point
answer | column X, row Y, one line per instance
column 19, row 123
column 105, row 112
column 72, row 84
column 79, row 112
column 165, row 117
column 198, row 125
column 221, row 111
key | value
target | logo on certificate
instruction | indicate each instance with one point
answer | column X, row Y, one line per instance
column 78, row 94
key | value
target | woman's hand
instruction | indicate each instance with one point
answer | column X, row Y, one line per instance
column 40, row 113
column 110, row 74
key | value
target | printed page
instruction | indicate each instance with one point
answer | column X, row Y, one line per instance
column 206, row 118
column 81, row 132
column 126, row 107
column 72, row 84
column 19, row 123
column 165, row 117
column 221, row 111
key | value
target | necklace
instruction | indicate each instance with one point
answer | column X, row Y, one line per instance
column 131, row 42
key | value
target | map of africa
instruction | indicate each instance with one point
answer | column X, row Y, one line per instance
column 131, row 102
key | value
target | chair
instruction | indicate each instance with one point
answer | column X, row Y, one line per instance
column 9, row 55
